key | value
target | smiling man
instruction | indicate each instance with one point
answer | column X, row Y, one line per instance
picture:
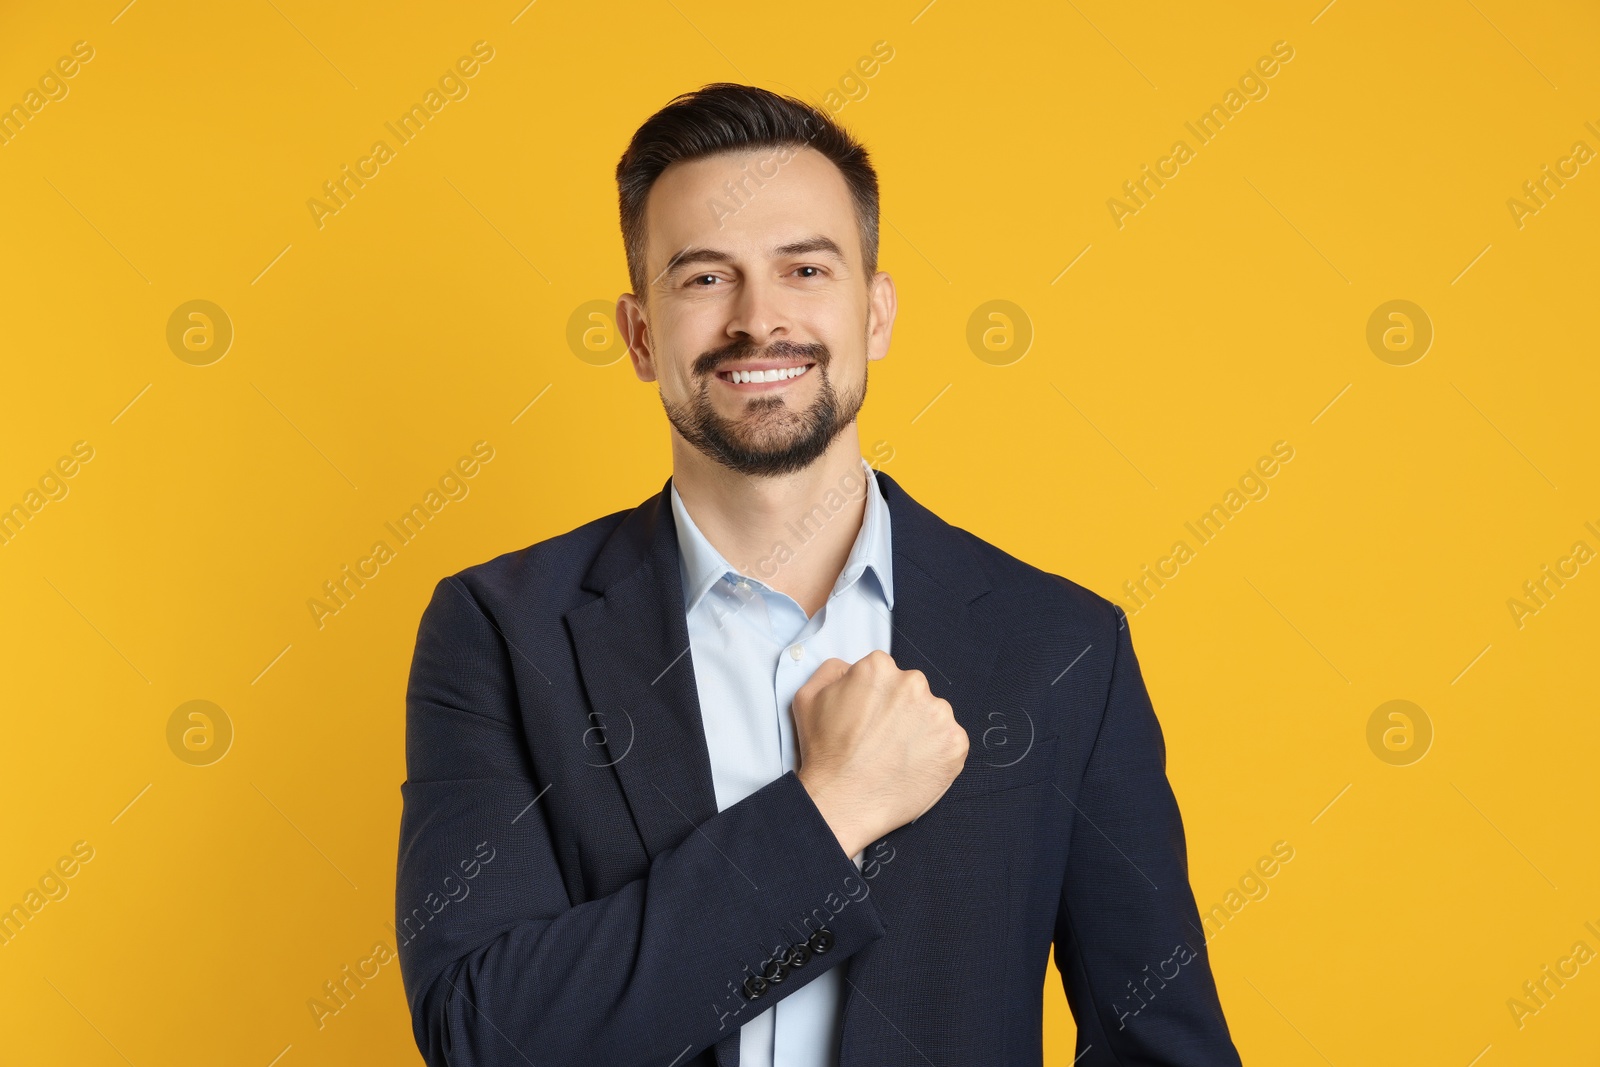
column 780, row 769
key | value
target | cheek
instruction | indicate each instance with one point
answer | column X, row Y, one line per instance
column 848, row 336
column 676, row 342
column 673, row 380
column 846, row 376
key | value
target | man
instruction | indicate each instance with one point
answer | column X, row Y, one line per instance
column 778, row 769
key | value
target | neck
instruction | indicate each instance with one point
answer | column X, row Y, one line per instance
column 779, row 530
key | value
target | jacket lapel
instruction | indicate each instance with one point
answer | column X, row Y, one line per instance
column 633, row 653
column 937, row 630
column 632, row 647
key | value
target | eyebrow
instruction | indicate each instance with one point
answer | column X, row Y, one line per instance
column 701, row 254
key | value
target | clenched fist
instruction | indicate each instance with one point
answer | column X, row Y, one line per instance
column 877, row 748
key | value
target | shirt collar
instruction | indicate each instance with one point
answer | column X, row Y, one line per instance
column 701, row 566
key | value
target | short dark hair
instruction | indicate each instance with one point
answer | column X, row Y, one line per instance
column 727, row 117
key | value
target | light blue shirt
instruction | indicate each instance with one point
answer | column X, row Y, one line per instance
column 752, row 648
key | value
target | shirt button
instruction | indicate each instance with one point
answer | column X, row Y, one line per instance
column 796, row 651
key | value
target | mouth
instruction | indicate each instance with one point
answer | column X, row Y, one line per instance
column 763, row 377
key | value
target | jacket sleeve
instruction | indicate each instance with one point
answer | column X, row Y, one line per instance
column 501, row 966
column 1128, row 940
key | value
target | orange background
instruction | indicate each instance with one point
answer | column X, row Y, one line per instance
column 1164, row 356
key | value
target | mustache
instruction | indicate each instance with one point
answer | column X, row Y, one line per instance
column 710, row 362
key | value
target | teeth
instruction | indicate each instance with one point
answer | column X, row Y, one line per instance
column 745, row 376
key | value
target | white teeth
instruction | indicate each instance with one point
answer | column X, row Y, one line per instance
column 778, row 375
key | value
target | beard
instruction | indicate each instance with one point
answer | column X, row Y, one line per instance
column 769, row 438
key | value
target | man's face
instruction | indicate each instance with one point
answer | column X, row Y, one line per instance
column 765, row 281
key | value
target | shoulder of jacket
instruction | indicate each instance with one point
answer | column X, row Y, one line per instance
column 549, row 565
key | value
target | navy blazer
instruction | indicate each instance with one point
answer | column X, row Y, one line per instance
column 568, row 892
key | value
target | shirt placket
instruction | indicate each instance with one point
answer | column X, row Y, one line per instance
column 785, row 628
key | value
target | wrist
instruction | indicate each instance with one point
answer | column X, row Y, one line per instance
column 851, row 836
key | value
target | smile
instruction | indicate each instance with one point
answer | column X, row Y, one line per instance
column 761, row 377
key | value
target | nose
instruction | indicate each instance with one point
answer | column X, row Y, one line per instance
column 759, row 311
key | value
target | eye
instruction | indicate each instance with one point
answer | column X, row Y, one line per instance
column 817, row 270
column 697, row 279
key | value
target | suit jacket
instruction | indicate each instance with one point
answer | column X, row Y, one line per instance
column 568, row 892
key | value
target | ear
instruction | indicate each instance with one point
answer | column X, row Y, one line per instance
column 881, row 306
column 636, row 333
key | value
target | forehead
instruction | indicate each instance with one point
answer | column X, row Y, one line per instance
column 749, row 202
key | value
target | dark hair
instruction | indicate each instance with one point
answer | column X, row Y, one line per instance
column 727, row 117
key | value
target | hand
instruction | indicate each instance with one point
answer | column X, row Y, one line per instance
column 877, row 748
